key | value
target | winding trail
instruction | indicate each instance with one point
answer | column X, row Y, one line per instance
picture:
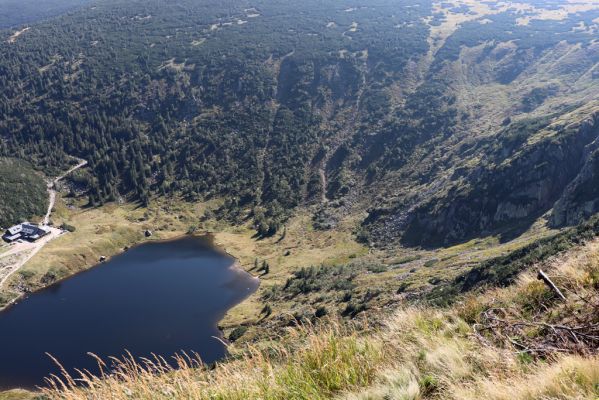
column 26, row 249
column 52, row 191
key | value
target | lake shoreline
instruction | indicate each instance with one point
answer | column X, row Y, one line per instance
column 234, row 267
column 207, row 234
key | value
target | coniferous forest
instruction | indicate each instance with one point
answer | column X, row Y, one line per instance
column 273, row 105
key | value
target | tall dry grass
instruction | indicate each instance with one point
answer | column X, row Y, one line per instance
column 419, row 353
column 310, row 363
column 530, row 315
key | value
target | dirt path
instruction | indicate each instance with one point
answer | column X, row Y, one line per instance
column 24, row 251
column 52, row 192
column 323, row 183
column 51, row 202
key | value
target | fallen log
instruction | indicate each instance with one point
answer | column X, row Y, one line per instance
column 542, row 276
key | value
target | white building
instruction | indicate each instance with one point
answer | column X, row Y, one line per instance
column 26, row 231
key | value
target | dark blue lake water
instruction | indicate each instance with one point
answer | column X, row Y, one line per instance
column 161, row 298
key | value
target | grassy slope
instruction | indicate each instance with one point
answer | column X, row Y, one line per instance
column 106, row 231
column 416, row 354
column 304, row 246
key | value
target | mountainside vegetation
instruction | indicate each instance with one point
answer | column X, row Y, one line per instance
column 277, row 105
column 22, row 192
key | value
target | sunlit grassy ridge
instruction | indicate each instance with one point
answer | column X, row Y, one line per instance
column 531, row 317
column 417, row 354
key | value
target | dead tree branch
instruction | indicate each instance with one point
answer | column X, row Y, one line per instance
column 542, row 276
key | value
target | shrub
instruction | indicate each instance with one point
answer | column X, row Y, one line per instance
column 377, row 268
column 321, row 312
column 68, row 228
column 403, row 287
column 352, row 309
column 237, row 333
column 407, row 259
column 26, row 274
column 428, row 384
column 346, row 297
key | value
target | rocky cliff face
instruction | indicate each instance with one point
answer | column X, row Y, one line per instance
column 508, row 195
column 580, row 199
column 519, row 148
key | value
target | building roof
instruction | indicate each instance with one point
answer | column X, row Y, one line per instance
column 13, row 237
column 15, row 229
column 26, row 229
column 29, row 230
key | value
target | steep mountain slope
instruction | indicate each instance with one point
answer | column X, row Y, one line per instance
column 526, row 122
column 507, row 185
column 445, row 121
column 409, row 125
